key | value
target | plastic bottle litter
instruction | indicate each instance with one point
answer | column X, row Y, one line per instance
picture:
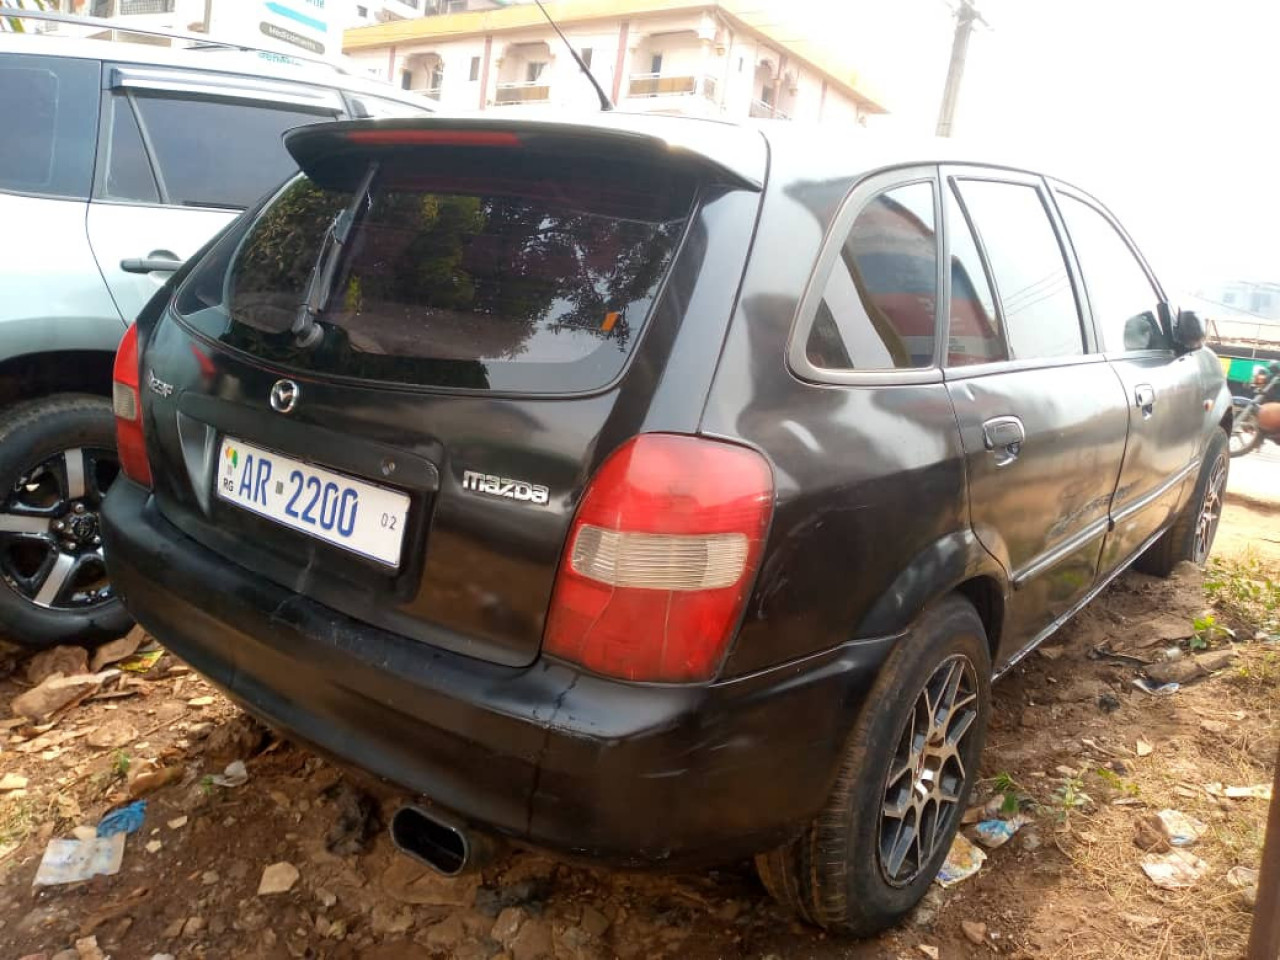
column 234, row 776
column 995, row 833
column 1156, row 689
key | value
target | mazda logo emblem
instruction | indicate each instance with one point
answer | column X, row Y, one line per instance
column 284, row 396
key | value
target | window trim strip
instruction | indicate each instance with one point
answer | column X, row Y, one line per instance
column 858, row 198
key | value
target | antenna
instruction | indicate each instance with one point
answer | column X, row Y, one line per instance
column 605, row 103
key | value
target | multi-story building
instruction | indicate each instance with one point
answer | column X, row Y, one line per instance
column 696, row 57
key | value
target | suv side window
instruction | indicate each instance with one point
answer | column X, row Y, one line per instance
column 49, row 109
column 126, row 172
column 1123, row 301
column 879, row 306
column 217, row 153
column 1039, row 307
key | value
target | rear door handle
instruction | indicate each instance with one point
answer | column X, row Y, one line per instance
column 1003, row 437
column 1144, row 398
column 162, row 261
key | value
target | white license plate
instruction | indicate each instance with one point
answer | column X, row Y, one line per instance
column 357, row 516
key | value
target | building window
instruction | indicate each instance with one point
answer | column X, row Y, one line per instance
column 362, row 13
column 741, row 61
column 655, row 65
column 533, row 70
column 406, row 79
column 1229, row 297
column 475, row 69
column 586, row 57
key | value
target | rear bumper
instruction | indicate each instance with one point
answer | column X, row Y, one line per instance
column 622, row 773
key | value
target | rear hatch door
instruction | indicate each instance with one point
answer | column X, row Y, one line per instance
column 386, row 389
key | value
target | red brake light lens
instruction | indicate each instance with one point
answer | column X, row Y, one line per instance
column 660, row 559
column 440, row 138
column 126, row 404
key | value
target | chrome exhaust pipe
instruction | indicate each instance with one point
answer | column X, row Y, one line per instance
column 443, row 844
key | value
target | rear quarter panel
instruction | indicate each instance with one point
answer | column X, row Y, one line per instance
column 871, row 517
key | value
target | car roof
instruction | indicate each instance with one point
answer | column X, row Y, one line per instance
column 258, row 64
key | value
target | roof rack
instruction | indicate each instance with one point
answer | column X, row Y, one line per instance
column 198, row 41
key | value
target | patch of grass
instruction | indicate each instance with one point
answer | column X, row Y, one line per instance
column 1244, row 587
column 1118, row 783
column 1205, row 630
column 120, row 761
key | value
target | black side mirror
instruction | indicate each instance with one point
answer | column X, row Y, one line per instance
column 1188, row 331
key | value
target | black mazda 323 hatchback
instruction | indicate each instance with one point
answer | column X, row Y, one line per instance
column 655, row 491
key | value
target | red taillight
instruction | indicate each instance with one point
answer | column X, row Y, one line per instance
column 442, row 138
column 127, row 406
column 660, row 558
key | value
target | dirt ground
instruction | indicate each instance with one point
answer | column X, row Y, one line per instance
column 1085, row 754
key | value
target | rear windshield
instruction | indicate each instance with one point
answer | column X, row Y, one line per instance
column 534, row 276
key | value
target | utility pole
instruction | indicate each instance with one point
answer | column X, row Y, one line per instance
column 1264, row 944
column 966, row 14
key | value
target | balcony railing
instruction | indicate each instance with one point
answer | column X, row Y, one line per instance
column 139, row 7
column 431, row 93
column 766, row 111
column 525, row 91
column 658, row 85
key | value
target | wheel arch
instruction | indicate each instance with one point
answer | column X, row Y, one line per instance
column 31, row 376
column 956, row 563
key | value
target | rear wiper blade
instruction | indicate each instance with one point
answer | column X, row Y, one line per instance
column 306, row 328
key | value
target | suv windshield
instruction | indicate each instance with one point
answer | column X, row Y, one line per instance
column 535, row 276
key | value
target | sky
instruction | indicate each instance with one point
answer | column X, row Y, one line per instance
column 1164, row 109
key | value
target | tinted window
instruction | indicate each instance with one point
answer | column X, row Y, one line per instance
column 1120, row 295
column 49, row 116
column 520, row 274
column 1040, row 314
column 879, row 306
column 213, row 153
column 974, row 334
column 126, row 170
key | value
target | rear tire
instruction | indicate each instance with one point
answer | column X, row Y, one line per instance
column 1191, row 536
column 57, row 457
column 855, row 869
column 1246, row 435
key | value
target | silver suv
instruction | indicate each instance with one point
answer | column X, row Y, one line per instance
column 117, row 162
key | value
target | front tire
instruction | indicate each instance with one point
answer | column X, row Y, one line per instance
column 903, row 785
column 1246, row 435
column 1192, row 534
column 57, row 459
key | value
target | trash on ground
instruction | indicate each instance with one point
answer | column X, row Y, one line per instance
column 177, row 823
column 118, row 649
column 1156, row 689
column 1176, row 870
column 928, row 951
column 1103, row 651
column 1259, row 791
column 1245, row 879
column 234, row 775
column 126, row 819
column 70, row 861
column 1144, row 747
column 141, row 662
column 57, row 693
column 12, row 781
column 148, row 781
column 278, row 878
column 1181, row 829
column 154, row 846
column 67, row 660
column 200, row 702
column 995, row 833
column 963, row 860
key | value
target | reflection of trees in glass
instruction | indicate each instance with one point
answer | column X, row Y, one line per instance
column 270, row 275
column 433, row 283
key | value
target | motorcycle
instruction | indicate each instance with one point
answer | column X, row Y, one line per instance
column 1247, row 433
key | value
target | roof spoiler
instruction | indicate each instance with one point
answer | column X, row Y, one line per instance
column 734, row 156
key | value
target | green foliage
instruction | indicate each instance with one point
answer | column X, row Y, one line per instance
column 1069, row 796
column 1117, row 782
column 1244, row 588
column 1205, row 630
column 120, row 762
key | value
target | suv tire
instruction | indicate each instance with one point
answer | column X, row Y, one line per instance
column 50, row 554
column 1191, row 535
column 837, row 873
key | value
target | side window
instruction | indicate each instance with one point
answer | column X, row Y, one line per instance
column 49, row 109
column 1039, row 306
column 879, row 306
column 974, row 333
column 1123, row 300
column 218, row 153
column 125, row 170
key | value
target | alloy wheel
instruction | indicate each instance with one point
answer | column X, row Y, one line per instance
column 927, row 776
column 1210, row 510
column 50, row 540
